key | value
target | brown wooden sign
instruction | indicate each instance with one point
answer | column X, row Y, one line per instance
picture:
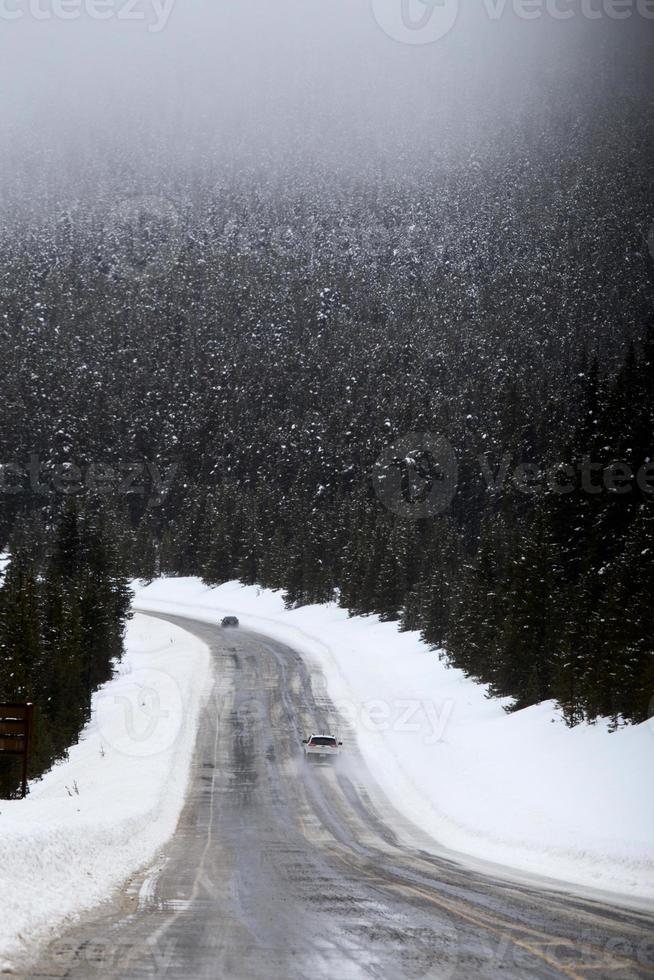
column 15, row 734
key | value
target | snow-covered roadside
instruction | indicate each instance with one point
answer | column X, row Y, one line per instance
column 520, row 790
column 98, row 817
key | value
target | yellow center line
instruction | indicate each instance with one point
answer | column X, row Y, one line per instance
column 504, row 929
column 501, row 933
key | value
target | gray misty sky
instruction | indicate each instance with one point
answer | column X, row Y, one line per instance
column 318, row 75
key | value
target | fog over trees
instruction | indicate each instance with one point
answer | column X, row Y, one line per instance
column 247, row 251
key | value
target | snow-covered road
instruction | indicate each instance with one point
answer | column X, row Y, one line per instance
column 521, row 790
column 283, row 870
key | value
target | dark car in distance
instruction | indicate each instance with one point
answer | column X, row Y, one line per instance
column 230, row 621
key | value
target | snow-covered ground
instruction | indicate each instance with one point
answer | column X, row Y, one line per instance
column 519, row 789
column 98, row 817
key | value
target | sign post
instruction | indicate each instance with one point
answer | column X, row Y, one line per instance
column 16, row 734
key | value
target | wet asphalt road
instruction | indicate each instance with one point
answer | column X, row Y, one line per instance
column 281, row 870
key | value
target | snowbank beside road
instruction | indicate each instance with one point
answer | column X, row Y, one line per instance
column 98, row 817
column 521, row 790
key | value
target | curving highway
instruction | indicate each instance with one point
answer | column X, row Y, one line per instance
column 281, row 870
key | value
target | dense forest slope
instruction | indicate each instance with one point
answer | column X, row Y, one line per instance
column 221, row 362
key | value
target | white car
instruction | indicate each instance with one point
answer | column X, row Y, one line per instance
column 320, row 748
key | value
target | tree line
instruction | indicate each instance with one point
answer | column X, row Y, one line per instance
column 63, row 605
